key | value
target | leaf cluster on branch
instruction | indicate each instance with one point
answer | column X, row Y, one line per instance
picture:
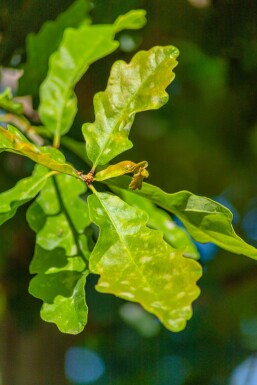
column 140, row 254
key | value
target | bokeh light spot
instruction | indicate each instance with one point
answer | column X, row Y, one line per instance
column 245, row 373
column 127, row 43
column 83, row 366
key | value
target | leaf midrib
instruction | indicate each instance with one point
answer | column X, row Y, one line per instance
column 126, row 247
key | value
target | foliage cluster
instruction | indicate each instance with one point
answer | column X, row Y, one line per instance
column 101, row 221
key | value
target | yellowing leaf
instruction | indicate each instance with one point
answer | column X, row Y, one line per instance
column 122, row 168
column 135, row 263
column 138, row 178
column 134, row 87
column 14, row 141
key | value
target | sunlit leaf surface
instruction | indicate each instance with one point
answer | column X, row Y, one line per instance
column 134, row 87
column 14, row 141
column 78, row 50
column 161, row 220
column 41, row 45
column 59, row 217
column 135, row 263
column 205, row 219
column 25, row 190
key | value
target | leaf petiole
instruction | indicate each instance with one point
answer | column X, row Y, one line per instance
column 56, row 141
column 92, row 188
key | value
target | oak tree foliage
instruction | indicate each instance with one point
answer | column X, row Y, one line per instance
column 140, row 254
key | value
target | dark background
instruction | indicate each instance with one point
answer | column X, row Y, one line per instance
column 203, row 140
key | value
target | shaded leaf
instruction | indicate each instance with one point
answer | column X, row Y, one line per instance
column 76, row 147
column 78, row 50
column 60, row 216
column 7, row 102
column 13, row 140
column 205, row 219
column 61, row 289
column 25, row 190
column 41, row 45
column 134, row 87
column 160, row 220
column 135, row 263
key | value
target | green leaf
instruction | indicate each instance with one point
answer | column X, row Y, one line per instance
column 61, row 287
column 13, row 140
column 78, row 50
column 8, row 104
column 160, row 220
column 135, row 263
column 122, row 168
column 135, row 19
column 60, row 217
column 25, row 190
column 41, row 45
column 134, row 87
column 205, row 219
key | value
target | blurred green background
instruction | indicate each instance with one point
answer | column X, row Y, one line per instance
column 203, row 140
